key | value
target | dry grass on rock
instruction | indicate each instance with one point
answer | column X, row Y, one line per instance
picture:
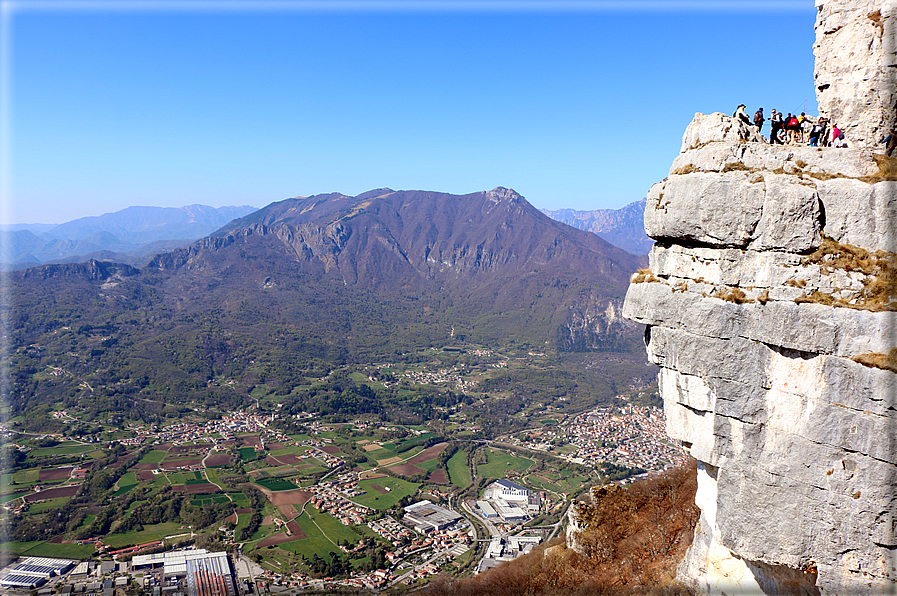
column 638, row 534
column 879, row 291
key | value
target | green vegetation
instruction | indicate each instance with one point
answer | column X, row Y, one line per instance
column 153, row 457
column 499, row 463
column 276, row 484
column 396, row 489
column 150, row 533
column 458, row 470
column 67, row 449
column 65, row 551
column 322, row 532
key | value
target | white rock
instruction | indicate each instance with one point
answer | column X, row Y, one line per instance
column 718, row 127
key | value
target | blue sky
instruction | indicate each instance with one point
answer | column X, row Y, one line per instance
column 573, row 104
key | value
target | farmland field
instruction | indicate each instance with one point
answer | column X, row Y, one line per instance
column 67, row 551
column 375, row 499
column 276, row 484
column 500, row 463
column 63, row 450
column 150, row 533
column 317, row 542
column 458, row 470
column 47, row 505
column 153, row 457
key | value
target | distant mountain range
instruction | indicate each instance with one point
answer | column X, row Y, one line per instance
column 621, row 227
column 130, row 236
column 135, row 234
column 307, row 281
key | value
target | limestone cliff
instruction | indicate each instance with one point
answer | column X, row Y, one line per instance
column 770, row 305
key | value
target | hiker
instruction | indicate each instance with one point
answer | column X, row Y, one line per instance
column 791, row 128
column 800, row 127
column 759, row 119
column 838, row 137
column 775, row 121
column 890, row 142
column 739, row 113
column 816, row 131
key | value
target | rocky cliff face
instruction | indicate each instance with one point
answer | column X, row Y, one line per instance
column 770, row 305
column 856, row 57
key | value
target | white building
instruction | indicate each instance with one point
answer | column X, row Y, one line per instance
column 512, row 501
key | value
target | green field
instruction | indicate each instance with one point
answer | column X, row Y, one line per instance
column 148, row 534
column 63, row 450
column 459, row 471
column 123, row 489
column 65, row 551
column 500, row 463
column 18, row 547
column 12, row 496
column 153, row 457
column 129, row 478
column 372, row 498
column 239, row 499
column 316, row 541
column 179, row 477
column 47, row 505
column 209, row 499
column 23, row 477
column 409, row 443
column 276, row 484
column 242, row 520
column 248, row 453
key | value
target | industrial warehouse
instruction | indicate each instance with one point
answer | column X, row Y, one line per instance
column 509, row 501
column 34, row 572
column 426, row 517
column 191, row 572
column 207, row 574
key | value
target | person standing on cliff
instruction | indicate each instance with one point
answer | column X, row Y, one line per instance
column 837, row 137
column 775, row 121
column 759, row 119
column 739, row 113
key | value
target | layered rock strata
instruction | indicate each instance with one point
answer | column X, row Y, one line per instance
column 770, row 304
column 770, row 291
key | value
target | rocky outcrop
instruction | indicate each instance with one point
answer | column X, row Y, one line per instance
column 770, row 304
column 856, row 67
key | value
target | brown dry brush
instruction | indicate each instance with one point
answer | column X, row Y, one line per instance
column 637, row 536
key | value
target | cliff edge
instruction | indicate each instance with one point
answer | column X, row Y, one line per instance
column 770, row 304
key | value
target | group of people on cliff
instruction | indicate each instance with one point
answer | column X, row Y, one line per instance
column 792, row 129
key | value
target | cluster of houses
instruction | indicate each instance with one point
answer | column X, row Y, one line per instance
column 634, row 437
column 329, row 500
column 392, row 531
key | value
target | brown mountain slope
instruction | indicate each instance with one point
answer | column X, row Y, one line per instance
column 489, row 261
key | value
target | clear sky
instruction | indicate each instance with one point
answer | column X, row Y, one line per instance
column 576, row 104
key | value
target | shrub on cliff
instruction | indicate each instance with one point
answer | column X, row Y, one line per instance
column 637, row 537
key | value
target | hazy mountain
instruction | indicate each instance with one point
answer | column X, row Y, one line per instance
column 621, row 227
column 129, row 235
column 310, row 281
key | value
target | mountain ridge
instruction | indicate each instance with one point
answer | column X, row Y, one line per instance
column 130, row 235
column 622, row 227
column 340, row 279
